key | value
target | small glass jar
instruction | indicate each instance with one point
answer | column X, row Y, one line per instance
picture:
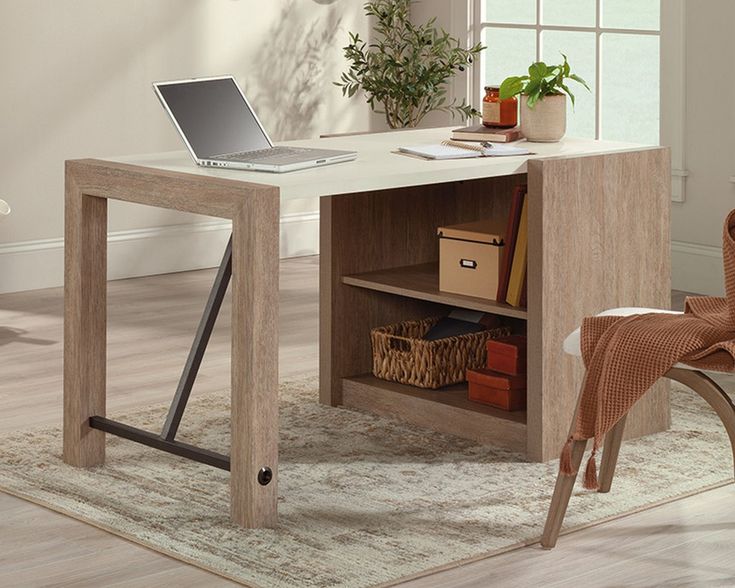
column 497, row 112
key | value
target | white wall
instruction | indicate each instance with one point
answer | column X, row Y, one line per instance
column 454, row 17
column 77, row 83
column 709, row 145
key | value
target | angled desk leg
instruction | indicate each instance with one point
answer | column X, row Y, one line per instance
column 254, row 453
column 85, row 325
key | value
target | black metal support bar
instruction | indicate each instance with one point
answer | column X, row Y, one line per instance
column 166, row 440
column 153, row 440
column 199, row 346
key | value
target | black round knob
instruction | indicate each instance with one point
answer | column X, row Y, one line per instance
column 265, row 475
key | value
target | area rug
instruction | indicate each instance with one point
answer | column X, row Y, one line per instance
column 363, row 500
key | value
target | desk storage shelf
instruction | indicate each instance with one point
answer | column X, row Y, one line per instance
column 421, row 282
column 596, row 240
column 447, row 409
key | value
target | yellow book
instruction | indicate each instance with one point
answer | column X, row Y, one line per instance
column 520, row 257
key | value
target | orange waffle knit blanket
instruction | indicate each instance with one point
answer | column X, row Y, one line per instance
column 625, row 356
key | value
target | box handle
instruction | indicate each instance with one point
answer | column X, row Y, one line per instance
column 468, row 263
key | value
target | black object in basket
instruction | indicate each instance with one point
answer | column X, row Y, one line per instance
column 400, row 354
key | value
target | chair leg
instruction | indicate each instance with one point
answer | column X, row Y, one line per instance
column 610, row 455
column 560, row 500
column 697, row 381
column 715, row 396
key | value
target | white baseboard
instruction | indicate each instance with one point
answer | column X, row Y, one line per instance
column 697, row 268
column 30, row 265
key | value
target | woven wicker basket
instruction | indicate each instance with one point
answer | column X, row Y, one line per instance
column 401, row 355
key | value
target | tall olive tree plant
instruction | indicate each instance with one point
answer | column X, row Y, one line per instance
column 404, row 72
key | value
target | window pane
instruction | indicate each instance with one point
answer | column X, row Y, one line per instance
column 631, row 14
column 578, row 13
column 580, row 49
column 509, row 53
column 630, row 88
column 510, row 11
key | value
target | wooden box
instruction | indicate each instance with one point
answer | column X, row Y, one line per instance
column 498, row 390
column 469, row 259
column 507, row 355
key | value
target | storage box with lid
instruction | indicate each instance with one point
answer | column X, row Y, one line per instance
column 469, row 259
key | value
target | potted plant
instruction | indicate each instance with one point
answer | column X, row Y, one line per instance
column 404, row 72
column 544, row 99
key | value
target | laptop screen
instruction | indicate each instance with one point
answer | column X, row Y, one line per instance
column 214, row 117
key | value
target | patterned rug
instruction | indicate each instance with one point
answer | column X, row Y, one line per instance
column 364, row 500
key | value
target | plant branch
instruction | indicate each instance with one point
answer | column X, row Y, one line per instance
column 407, row 68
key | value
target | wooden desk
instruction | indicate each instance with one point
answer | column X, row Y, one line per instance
column 598, row 238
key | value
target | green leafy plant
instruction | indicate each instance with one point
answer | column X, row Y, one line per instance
column 405, row 71
column 542, row 80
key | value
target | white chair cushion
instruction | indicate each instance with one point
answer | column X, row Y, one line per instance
column 573, row 343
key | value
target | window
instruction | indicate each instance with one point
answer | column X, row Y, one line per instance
column 612, row 44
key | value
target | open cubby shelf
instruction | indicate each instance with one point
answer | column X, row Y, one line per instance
column 421, row 282
column 447, row 409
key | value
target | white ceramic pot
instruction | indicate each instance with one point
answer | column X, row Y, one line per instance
column 4, row 208
column 546, row 122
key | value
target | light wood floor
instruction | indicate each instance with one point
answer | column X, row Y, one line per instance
column 151, row 323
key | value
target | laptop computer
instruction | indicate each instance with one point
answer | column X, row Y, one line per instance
column 220, row 129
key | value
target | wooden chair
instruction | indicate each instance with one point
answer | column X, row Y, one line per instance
column 690, row 377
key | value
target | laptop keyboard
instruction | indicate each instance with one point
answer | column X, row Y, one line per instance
column 260, row 154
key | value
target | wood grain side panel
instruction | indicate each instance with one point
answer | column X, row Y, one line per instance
column 641, row 248
column 85, row 323
column 254, row 424
column 327, row 383
column 598, row 239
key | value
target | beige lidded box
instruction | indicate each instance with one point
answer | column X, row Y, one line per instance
column 469, row 259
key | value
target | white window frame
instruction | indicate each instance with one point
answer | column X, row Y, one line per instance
column 674, row 92
column 478, row 26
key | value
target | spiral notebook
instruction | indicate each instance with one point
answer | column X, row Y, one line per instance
column 459, row 150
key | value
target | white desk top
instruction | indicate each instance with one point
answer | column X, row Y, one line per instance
column 378, row 167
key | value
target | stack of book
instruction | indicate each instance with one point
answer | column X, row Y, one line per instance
column 513, row 263
column 503, row 383
column 490, row 134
